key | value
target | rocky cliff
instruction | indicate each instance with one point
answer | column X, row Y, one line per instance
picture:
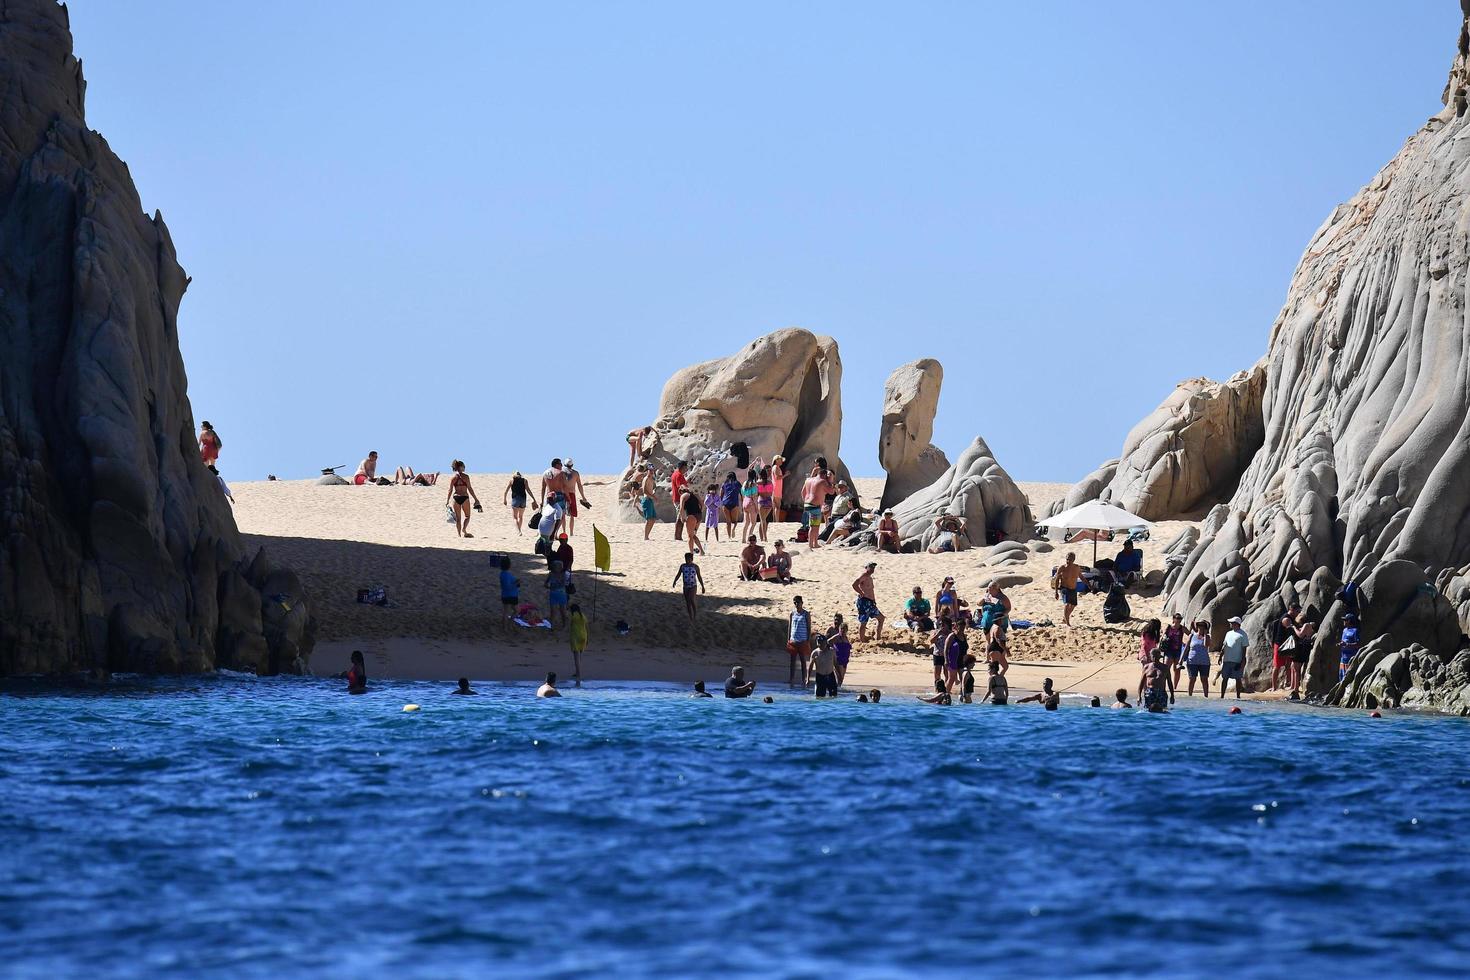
column 1363, row 473
column 119, row 551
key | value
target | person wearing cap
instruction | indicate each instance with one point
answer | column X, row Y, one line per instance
column 574, row 492
column 845, row 500
column 736, row 686
column 1232, row 657
column 887, row 533
column 867, row 603
column 1347, row 645
column 560, row 551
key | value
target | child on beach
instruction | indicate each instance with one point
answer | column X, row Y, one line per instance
column 579, row 641
column 1148, row 641
column 712, row 512
column 557, row 582
column 510, row 593
column 688, row 573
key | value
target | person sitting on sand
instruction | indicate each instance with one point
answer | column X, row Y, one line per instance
column 464, row 687
column 548, row 690
column 887, row 533
column 517, row 492
column 557, row 582
column 752, row 560
column 578, row 638
column 951, row 534
column 1120, row 699
column 997, row 689
column 845, row 526
column 355, row 674
column 1042, row 695
column 699, row 691
column 916, row 612
column 367, row 470
column 780, row 560
column 867, row 603
column 736, row 686
column 691, row 577
column 461, row 491
column 1128, row 565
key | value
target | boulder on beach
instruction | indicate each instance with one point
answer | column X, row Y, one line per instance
column 120, row 552
column 976, row 489
column 910, row 399
column 779, row 395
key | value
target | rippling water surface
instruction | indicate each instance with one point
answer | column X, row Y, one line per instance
column 240, row 827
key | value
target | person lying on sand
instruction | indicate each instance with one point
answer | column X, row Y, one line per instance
column 464, row 687
column 1042, row 695
column 548, row 690
column 405, row 476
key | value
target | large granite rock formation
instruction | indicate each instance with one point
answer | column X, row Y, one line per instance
column 780, row 394
column 910, row 399
column 975, row 488
column 1364, row 470
column 119, row 551
column 1188, row 454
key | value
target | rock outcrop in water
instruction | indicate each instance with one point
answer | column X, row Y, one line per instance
column 119, row 552
column 1187, row 455
column 1363, row 473
column 910, row 399
column 781, row 394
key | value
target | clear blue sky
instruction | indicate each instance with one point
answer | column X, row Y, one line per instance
column 493, row 230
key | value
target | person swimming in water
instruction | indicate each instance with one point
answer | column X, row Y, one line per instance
column 548, row 690
column 355, row 675
column 1120, row 699
column 464, row 687
column 1044, row 695
column 699, row 691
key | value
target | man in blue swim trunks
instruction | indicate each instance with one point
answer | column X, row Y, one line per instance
column 867, row 604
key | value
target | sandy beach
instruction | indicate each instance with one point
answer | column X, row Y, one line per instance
column 443, row 617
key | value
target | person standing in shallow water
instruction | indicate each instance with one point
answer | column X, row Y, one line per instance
column 460, row 493
column 691, row 578
column 355, row 674
column 798, row 641
column 1232, row 657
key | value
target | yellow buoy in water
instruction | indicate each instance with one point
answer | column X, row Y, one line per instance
column 410, row 707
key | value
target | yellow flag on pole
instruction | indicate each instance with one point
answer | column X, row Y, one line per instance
column 602, row 550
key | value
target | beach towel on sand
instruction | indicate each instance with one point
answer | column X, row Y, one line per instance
column 545, row 624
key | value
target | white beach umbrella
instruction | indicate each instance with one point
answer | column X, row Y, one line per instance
column 1096, row 516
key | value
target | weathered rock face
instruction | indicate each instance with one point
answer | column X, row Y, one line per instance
column 1188, row 454
column 1364, row 468
column 779, row 395
column 910, row 399
column 119, row 551
column 975, row 488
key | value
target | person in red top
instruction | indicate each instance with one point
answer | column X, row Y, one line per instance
column 209, row 443
column 677, row 480
column 355, row 675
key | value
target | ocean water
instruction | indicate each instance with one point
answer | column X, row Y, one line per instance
column 241, row 827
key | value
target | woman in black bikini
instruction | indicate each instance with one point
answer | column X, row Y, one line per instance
column 461, row 492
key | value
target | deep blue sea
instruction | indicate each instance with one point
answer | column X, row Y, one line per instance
column 239, row 827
